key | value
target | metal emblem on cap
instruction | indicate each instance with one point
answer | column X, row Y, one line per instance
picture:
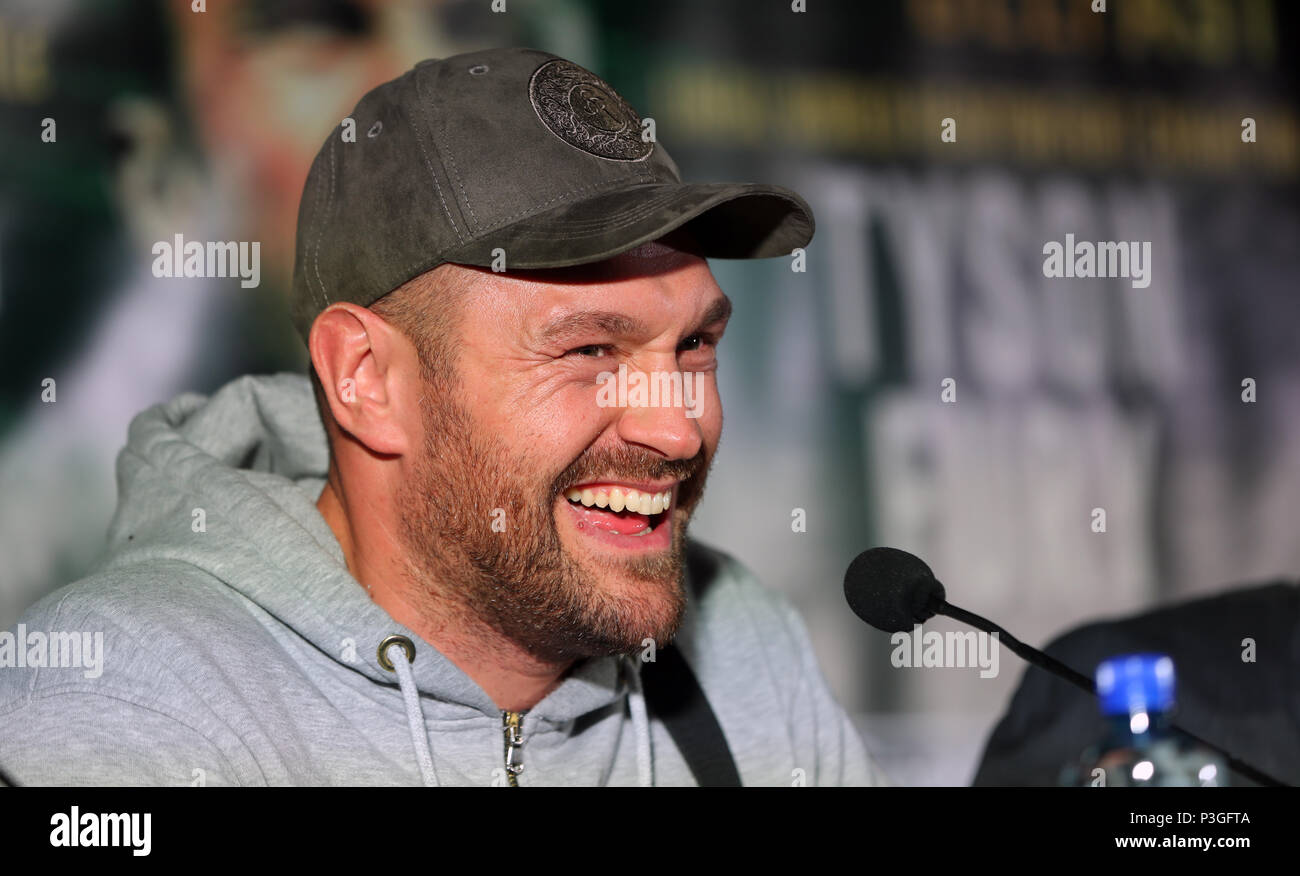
column 584, row 111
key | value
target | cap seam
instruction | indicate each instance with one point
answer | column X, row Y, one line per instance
column 649, row 205
column 320, row 231
column 588, row 229
column 627, row 220
column 644, row 168
column 451, row 157
column 420, row 98
column 636, row 212
column 537, row 208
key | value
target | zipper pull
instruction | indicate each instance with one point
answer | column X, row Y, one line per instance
column 513, row 726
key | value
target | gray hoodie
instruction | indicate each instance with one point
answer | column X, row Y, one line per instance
column 224, row 642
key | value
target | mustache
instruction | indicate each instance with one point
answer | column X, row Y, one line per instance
column 628, row 463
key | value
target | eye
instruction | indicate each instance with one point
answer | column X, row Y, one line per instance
column 590, row 351
column 695, row 342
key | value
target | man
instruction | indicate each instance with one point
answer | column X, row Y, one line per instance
column 477, row 572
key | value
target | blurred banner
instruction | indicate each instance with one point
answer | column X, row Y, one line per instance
column 1057, row 446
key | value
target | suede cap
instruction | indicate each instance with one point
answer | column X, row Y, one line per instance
column 507, row 159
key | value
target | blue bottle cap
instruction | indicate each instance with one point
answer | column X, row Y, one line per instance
column 1134, row 683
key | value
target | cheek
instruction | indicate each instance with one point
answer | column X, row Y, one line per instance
column 551, row 432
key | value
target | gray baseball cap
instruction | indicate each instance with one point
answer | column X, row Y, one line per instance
column 514, row 156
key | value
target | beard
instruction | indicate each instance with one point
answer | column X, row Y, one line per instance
column 480, row 531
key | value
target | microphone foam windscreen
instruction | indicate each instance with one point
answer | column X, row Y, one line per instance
column 891, row 589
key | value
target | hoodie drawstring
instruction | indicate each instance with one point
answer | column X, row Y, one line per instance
column 392, row 661
column 411, row 696
column 640, row 723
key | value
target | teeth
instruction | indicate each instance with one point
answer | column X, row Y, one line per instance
column 618, row 500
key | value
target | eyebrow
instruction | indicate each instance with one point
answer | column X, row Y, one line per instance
column 610, row 322
column 718, row 311
column 596, row 321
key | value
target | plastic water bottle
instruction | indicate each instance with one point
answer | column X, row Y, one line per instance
column 1140, row 748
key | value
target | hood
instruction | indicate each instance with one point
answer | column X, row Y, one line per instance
column 229, row 484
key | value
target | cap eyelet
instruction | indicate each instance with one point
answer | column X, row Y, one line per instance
column 407, row 645
column 478, row 69
column 375, row 130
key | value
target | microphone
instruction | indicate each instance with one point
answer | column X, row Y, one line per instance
column 893, row 590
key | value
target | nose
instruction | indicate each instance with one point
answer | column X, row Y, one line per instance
column 664, row 426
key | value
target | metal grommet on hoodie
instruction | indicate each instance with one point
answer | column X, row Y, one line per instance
column 407, row 645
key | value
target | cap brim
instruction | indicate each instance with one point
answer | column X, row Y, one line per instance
column 722, row 220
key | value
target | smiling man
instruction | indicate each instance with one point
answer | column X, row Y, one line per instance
column 567, row 538
column 477, row 572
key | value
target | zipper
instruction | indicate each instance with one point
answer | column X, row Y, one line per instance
column 513, row 727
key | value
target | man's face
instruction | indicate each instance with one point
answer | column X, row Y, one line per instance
column 504, row 512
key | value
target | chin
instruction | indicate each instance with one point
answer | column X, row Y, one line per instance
column 645, row 606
